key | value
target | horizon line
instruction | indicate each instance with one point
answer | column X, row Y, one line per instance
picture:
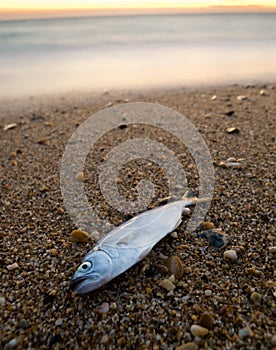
column 82, row 12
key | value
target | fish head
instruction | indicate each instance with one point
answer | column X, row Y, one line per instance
column 93, row 272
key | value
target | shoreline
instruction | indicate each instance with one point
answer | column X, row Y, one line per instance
column 39, row 310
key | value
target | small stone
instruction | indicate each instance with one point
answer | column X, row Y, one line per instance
column 105, row 339
column 59, row 322
column 2, row 300
column 80, row 176
column 206, row 225
column 162, row 269
column 216, row 238
column 263, row 92
column 187, row 346
column 245, row 333
column 272, row 250
column 242, row 98
column 231, row 160
column 102, row 309
column 198, row 331
column 233, row 165
column 54, row 252
column 214, row 97
column 256, row 297
column 78, row 236
column 11, row 344
column 175, row 266
column 174, row 234
column 10, row 126
column 229, row 113
column 42, row 141
column 230, row 255
column 233, row 130
column 12, row 266
column 167, row 284
column 206, row 321
column 22, row 323
column 208, row 292
column 95, row 235
column 273, row 340
column 60, row 210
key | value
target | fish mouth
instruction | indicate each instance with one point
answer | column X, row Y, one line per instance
column 75, row 283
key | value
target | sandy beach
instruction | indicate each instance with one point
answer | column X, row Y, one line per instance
column 231, row 295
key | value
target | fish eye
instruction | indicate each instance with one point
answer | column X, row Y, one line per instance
column 85, row 266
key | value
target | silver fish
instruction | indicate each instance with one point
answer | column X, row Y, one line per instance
column 127, row 244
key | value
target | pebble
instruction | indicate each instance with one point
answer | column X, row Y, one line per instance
column 233, row 130
column 206, row 225
column 198, row 331
column 80, row 176
column 256, row 297
column 230, row 255
column 263, row 92
column 206, row 320
column 22, row 323
column 175, row 266
column 12, row 266
column 216, row 238
column 11, row 344
column 78, row 236
column 59, row 322
column 229, row 113
column 273, row 340
column 214, row 97
column 2, row 300
column 187, row 346
column 10, row 126
column 54, row 252
column 105, row 339
column 208, row 292
column 245, row 333
column 167, row 284
column 102, row 309
column 272, row 250
column 242, row 98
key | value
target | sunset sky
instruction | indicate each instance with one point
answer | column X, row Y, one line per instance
column 100, row 6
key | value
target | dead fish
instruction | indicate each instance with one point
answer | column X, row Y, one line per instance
column 128, row 244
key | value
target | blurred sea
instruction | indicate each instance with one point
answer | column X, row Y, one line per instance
column 98, row 53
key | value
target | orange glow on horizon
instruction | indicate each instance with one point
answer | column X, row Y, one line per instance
column 43, row 8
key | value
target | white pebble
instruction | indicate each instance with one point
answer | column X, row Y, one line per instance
column 59, row 322
column 10, row 126
column 12, row 266
column 230, row 255
column 11, row 344
column 2, row 300
column 198, row 331
column 208, row 292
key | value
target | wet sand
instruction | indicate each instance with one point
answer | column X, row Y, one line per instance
column 38, row 311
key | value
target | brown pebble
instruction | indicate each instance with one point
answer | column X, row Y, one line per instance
column 256, row 297
column 273, row 340
column 80, row 176
column 42, row 141
column 198, row 331
column 102, row 309
column 162, row 269
column 167, row 284
column 206, row 225
column 78, row 236
column 206, row 321
column 54, row 252
column 187, row 346
column 230, row 255
column 60, row 210
column 105, row 339
column 175, row 266
column 272, row 250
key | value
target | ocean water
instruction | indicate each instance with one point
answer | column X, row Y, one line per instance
column 99, row 53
